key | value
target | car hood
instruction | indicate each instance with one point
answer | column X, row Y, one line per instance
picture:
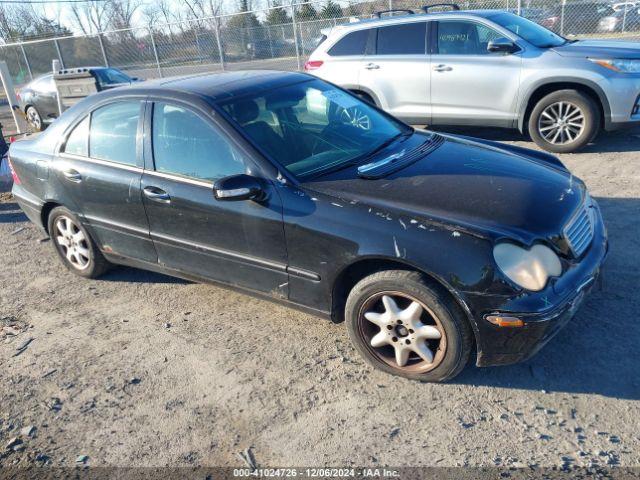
column 482, row 187
column 600, row 49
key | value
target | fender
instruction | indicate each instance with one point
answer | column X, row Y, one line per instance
column 522, row 110
column 369, row 92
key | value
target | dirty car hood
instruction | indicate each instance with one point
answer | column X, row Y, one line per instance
column 469, row 184
column 599, row 49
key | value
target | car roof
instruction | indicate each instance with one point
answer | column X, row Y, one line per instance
column 220, row 86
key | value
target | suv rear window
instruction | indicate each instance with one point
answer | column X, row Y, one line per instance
column 403, row 39
column 355, row 43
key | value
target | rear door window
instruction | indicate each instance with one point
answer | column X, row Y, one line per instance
column 354, row 43
column 78, row 140
column 403, row 39
column 113, row 132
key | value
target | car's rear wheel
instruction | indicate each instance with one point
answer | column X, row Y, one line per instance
column 564, row 121
column 403, row 325
column 34, row 119
column 74, row 245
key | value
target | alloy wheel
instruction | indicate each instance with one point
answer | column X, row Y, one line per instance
column 356, row 117
column 402, row 331
column 72, row 242
column 561, row 123
column 33, row 117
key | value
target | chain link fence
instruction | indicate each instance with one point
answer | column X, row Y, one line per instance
column 252, row 40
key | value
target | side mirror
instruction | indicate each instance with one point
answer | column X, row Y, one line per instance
column 502, row 45
column 238, row 187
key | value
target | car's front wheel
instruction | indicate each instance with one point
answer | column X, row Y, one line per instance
column 34, row 119
column 564, row 121
column 72, row 242
column 403, row 325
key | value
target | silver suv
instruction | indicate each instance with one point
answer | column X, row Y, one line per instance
column 489, row 68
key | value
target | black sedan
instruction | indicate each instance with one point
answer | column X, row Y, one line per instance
column 428, row 246
column 39, row 99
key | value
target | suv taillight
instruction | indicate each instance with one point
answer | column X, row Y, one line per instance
column 312, row 65
column 16, row 179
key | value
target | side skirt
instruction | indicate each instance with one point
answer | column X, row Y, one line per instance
column 155, row 267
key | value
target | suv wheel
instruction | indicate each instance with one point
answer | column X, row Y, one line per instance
column 564, row 121
column 78, row 251
column 403, row 326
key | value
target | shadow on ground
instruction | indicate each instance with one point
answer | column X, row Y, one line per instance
column 605, row 142
column 597, row 352
column 134, row 275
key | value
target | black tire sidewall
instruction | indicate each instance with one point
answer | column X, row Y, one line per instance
column 96, row 263
column 456, row 328
column 589, row 109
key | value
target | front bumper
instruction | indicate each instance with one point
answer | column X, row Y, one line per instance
column 560, row 301
column 520, row 344
column 623, row 95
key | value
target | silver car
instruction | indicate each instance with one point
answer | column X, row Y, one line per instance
column 488, row 68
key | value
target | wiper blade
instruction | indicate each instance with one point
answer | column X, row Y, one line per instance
column 388, row 142
column 399, row 160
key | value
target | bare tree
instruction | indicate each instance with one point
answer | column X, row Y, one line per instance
column 23, row 22
column 91, row 17
column 122, row 12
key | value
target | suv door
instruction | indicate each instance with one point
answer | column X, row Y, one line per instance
column 397, row 71
column 234, row 242
column 99, row 166
column 470, row 85
column 346, row 58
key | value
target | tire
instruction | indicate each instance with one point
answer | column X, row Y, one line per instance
column 436, row 311
column 74, row 245
column 365, row 97
column 34, row 119
column 575, row 113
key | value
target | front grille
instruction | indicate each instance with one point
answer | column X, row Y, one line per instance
column 579, row 231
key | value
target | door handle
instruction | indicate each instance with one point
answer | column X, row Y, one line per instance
column 372, row 66
column 442, row 68
column 156, row 194
column 72, row 175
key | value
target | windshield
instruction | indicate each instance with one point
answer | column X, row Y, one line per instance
column 110, row 76
column 312, row 127
column 528, row 30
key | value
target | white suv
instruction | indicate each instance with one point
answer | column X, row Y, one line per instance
column 485, row 67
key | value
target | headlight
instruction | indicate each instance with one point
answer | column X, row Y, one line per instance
column 528, row 268
column 619, row 64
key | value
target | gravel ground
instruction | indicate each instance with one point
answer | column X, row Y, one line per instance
column 139, row 369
